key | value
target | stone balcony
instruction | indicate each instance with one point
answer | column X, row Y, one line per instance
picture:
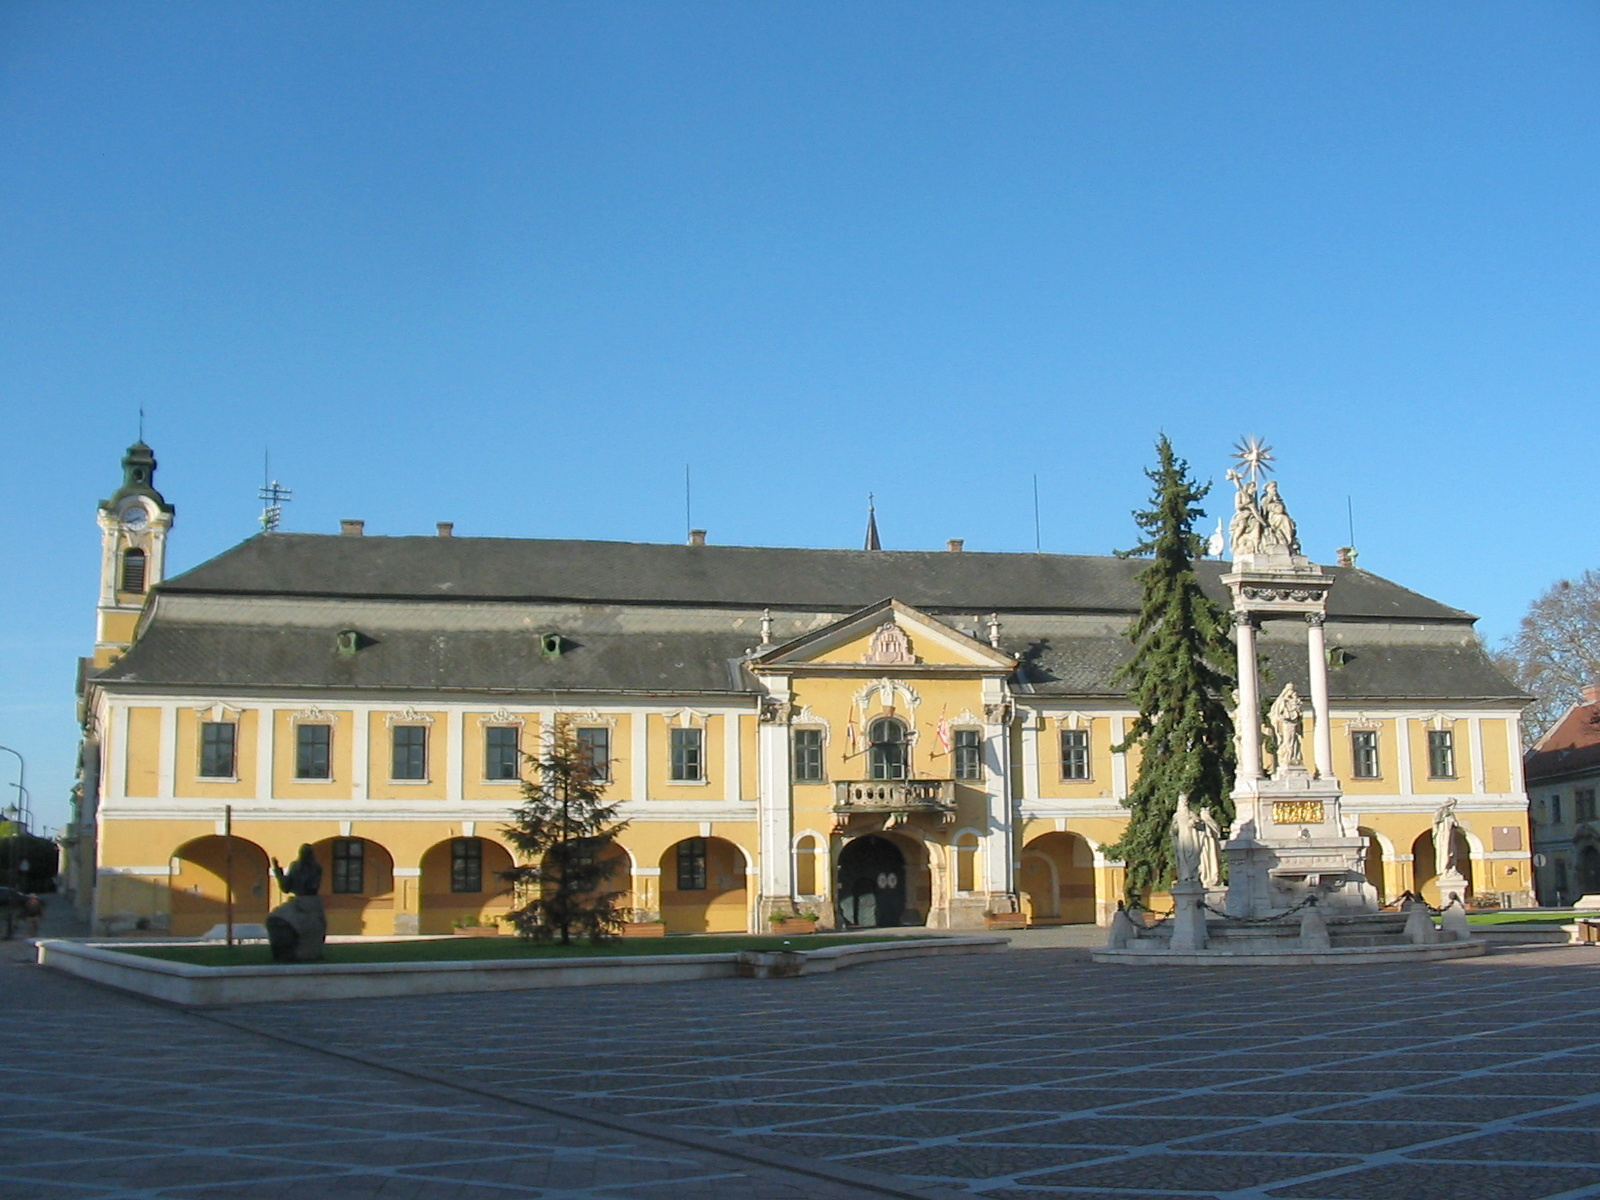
column 901, row 797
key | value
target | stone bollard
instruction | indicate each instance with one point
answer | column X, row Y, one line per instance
column 1453, row 920
column 1314, row 930
column 1419, row 925
column 1123, row 930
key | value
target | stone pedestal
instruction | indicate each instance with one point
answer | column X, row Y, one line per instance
column 297, row 929
column 1288, row 843
column 1451, row 884
column 1188, row 916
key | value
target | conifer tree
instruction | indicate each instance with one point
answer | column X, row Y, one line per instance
column 1179, row 677
column 563, row 828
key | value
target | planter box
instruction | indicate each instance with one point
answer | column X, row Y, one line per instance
column 793, row 925
column 643, row 929
column 477, row 931
column 1005, row 921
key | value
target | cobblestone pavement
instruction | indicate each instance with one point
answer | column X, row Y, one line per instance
column 108, row 1096
column 1036, row 1074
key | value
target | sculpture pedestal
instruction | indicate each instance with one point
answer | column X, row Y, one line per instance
column 297, row 929
column 1288, row 844
column 1188, row 916
column 1451, row 884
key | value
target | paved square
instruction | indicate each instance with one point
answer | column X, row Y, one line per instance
column 1030, row 1074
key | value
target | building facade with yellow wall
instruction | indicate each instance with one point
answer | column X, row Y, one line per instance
column 883, row 737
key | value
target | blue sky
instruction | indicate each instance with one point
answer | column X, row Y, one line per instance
column 514, row 265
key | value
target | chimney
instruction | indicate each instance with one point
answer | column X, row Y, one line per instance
column 697, row 537
column 446, row 528
column 1591, row 694
column 350, row 528
column 956, row 545
column 1347, row 556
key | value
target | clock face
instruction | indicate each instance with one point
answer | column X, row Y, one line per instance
column 134, row 516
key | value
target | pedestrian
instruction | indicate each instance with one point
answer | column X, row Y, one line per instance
column 32, row 910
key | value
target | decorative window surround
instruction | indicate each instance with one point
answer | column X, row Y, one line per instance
column 409, row 717
column 313, row 716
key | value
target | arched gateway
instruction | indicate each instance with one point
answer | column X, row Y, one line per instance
column 873, row 882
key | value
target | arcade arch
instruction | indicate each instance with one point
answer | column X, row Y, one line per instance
column 704, row 887
column 200, row 873
column 1056, row 880
column 462, row 879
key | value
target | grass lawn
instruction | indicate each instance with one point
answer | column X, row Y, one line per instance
column 1525, row 918
column 479, row 949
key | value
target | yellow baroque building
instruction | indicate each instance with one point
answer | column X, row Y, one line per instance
column 884, row 737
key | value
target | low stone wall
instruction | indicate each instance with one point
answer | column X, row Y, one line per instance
column 195, row 986
column 1340, row 956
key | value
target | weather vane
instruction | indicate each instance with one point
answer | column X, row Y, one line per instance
column 1254, row 455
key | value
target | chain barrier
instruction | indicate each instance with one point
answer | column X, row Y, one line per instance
column 1283, row 916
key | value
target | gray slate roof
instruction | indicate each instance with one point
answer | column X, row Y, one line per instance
column 305, row 564
column 463, row 615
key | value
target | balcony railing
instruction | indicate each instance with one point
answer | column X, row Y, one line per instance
column 895, row 796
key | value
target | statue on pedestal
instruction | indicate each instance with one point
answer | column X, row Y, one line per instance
column 1261, row 522
column 1445, row 824
column 1196, row 845
column 1285, row 715
column 298, row 928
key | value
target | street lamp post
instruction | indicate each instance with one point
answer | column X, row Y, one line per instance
column 23, row 800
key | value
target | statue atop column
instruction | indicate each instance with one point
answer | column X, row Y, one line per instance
column 1261, row 523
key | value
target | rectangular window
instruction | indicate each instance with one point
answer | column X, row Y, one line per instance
column 466, row 865
column 692, row 865
column 1555, row 810
column 410, row 752
column 216, row 749
column 688, row 755
column 594, row 746
column 1583, row 804
column 808, row 756
column 968, row 752
column 1075, row 754
column 347, row 866
column 501, row 752
column 1441, row 754
column 1364, row 752
column 312, row 744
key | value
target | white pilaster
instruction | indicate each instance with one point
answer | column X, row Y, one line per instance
column 775, row 800
column 1317, row 663
column 116, row 782
column 454, row 753
column 360, row 764
column 266, row 718
column 1475, row 748
column 1119, row 759
column 999, row 842
column 639, row 749
column 733, row 784
column 1514, row 754
column 1030, row 755
column 1402, row 726
column 167, row 751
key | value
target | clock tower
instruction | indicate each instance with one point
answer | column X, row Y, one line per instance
column 133, row 552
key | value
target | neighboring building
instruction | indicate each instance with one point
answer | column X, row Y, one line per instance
column 1563, row 771
column 883, row 736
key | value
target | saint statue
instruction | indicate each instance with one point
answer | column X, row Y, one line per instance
column 1285, row 716
column 1210, row 834
column 1186, row 851
column 1279, row 524
column 1244, row 530
column 1445, row 825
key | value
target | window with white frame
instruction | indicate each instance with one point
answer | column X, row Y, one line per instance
column 1364, row 753
column 408, row 759
column 218, row 740
column 968, row 752
column 594, row 749
column 1075, row 754
column 688, row 756
column 808, row 766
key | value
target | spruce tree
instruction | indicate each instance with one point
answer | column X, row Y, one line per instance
column 1179, row 678
column 564, row 827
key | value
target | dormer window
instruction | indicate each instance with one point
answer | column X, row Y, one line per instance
column 133, row 564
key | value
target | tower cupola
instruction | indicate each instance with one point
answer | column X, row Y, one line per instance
column 134, row 522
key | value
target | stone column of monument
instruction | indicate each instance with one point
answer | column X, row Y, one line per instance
column 1317, row 663
column 1288, row 841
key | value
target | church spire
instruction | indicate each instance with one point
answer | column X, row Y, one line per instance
column 872, row 526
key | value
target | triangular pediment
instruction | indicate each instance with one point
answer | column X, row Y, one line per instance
column 886, row 637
